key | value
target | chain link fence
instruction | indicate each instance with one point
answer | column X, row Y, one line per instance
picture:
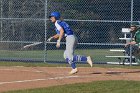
column 96, row 23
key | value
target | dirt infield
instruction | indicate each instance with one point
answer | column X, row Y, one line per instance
column 15, row 78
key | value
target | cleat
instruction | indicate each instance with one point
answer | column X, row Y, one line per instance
column 89, row 61
column 73, row 71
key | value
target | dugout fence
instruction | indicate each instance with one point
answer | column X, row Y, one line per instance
column 97, row 24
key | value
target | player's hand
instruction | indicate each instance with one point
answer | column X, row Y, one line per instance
column 49, row 39
column 126, row 45
column 58, row 44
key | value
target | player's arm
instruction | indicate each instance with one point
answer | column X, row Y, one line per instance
column 130, row 43
column 61, row 34
column 60, row 37
column 53, row 37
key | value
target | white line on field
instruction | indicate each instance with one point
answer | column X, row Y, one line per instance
column 21, row 70
column 31, row 71
column 33, row 80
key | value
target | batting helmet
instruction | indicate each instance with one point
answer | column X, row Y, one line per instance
column 55, row 14
column 136, row 24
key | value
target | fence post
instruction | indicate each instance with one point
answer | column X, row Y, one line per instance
column 132, row 6
column 45, row 37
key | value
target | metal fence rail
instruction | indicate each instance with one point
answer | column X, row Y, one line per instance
column 97, row 24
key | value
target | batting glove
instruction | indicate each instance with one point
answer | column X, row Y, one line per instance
column 49, row 39
column 58, row 44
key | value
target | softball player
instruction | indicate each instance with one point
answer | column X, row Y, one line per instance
column 63, row 29
column 135, row 43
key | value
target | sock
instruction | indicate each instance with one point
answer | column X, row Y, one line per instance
column 73, row 65
column 79, row 58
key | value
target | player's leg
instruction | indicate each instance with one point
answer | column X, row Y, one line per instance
column 70, row 42
column 80, row 58
column 68, row 59
column 133, row 51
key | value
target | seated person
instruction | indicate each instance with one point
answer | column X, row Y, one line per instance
column 135, row 42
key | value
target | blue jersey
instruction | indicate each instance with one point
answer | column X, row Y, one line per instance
column 61, row 24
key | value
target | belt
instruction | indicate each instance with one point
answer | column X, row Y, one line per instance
column 68, row 35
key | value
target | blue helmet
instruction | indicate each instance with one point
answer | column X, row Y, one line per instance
column 55, row 14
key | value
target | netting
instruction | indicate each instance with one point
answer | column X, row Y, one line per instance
column 96, row 23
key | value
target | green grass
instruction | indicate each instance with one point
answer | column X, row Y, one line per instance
column 42, row 64
column 52, row 55
column 29, row 64
column 21, row 54
column 98, row 55
column 92, row 87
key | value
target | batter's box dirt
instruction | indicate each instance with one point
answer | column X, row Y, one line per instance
column 16, row 78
